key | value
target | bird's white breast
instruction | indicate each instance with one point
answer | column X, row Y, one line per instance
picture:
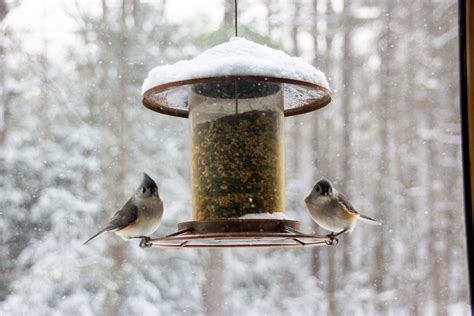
column 328, row 214
column 150, row 213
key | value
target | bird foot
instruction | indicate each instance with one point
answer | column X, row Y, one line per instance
column 145, row 242
column 332, row 239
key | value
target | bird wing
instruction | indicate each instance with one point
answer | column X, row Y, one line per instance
column 345, row 203
column 123, row 217
column 348, row 206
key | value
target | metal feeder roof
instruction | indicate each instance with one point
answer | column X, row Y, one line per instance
column 304, row 87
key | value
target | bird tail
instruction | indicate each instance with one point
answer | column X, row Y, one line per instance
column 369, row 220
column 96, row 235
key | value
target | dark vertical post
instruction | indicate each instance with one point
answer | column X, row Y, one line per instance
column 466, row 49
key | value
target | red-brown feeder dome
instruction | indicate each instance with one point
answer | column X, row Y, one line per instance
column 236, row 96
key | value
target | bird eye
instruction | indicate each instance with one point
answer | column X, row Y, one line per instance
column 143, row 190
column 317, row 188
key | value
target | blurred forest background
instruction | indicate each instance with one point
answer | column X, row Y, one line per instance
column 75, row 139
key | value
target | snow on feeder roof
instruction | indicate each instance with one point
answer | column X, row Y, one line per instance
column 305, row 88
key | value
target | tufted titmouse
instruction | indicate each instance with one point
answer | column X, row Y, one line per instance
column 332, row 211
column 140, row 216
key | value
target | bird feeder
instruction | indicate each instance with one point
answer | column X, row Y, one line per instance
column 236, row 96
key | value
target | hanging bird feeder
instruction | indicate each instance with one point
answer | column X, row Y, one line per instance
column 236, row 96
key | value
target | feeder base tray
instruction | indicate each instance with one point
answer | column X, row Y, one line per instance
column 240, row 233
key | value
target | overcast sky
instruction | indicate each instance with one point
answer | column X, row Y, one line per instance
column 40, row 19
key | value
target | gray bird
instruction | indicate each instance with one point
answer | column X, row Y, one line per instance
column 332, row 211
column 139, row 217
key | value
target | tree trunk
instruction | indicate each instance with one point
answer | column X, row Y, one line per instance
column 3, row 10
column 212, row 291
column 4, row 126
column 382, row 200
column 346, row 99
column 294, row 130
column 114, row 192
column 315, row 143
column 44, row 98
column 328, row 166
column 122, row 100
column 213, row 286
column 229, row 9
column 436, row 221
column 332, row 281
